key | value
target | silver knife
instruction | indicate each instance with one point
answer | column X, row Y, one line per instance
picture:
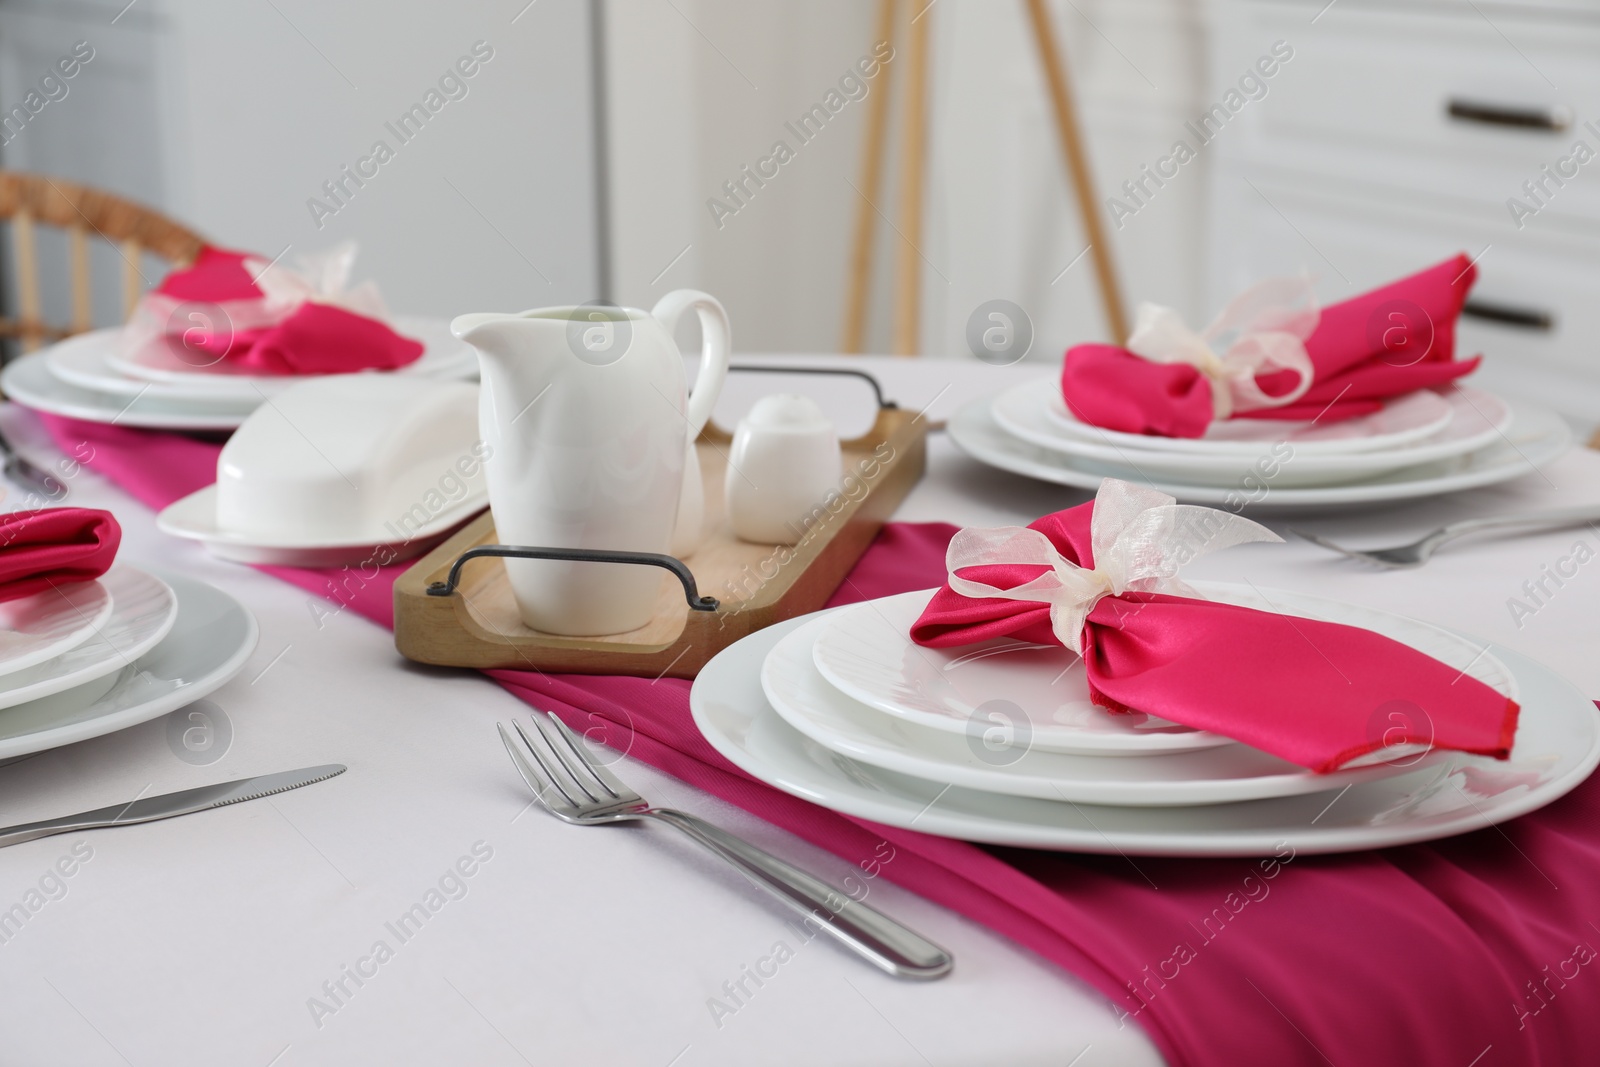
column 169, row 804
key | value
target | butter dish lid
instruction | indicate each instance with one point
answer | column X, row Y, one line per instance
column 347, row 459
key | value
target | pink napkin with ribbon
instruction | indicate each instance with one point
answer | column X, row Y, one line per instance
column 43, row 549
column 1100, row 579
column 262, row 318
column 1478, row 947
column 1282, row 357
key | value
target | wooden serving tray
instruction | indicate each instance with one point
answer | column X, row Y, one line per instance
column 756, row 585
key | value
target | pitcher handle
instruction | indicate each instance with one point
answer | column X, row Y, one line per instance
column 716, row 349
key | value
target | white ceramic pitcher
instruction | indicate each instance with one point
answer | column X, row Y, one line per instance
column 590, row 436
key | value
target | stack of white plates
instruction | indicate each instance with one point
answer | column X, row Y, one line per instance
column 998, row 742
column 1420, row 444
column 90, row 658
column 96, row 377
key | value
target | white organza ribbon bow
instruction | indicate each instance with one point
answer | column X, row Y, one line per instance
column 1140, row 538
column 322, row 278
column 1262, row 329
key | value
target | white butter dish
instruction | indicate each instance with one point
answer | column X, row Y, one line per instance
column 342, row 469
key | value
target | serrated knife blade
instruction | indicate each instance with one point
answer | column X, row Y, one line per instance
column 169, row 805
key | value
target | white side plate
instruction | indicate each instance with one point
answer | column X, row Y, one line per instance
column 143, row 609
column 208, row 644
column 47, row 623
column 865, row 652
column 1401, row 420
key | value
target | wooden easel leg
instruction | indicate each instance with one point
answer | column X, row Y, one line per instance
column 874, row 142
column 1078, row 169
column 904, row 339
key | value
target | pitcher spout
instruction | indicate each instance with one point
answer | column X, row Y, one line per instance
column 496, row 333
column 464, row 326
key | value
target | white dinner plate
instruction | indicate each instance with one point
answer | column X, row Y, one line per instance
column 45, row 624
column 96, row 360
column 864, row 651
column 1557, row 747
column 207, row 645
column 1401, row 420
column 1477, row 419
column 1536, row 436
column 28, row 381
column 1002, row 763
column 195, row 517
column 143, row 608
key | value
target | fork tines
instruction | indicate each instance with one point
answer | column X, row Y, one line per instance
column 565, row 778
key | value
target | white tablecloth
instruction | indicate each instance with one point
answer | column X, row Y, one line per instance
column 249, row 935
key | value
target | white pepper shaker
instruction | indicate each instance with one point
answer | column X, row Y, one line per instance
column 784, row 464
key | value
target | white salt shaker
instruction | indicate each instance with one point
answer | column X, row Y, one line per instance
column 784, row 465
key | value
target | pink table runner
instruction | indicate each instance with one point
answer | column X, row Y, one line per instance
column 1474, row 951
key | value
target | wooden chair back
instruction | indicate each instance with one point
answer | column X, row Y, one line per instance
column 28, row 201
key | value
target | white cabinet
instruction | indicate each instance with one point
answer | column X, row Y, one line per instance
column 1401, row 134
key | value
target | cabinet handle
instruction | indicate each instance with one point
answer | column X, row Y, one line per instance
column 1525, row 318
column 1554, row 118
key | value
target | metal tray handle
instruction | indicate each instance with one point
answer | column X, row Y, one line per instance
column 761, row 368
column 581, row 555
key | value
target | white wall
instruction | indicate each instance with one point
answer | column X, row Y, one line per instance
column 235, row 113
column 1003, row 220
column 696, row 93
column 699, row 87
column 231, row 115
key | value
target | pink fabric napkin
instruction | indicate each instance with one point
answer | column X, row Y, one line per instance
column 1234, row 670
column 216, row 275
column 1390, row 341
column 42, row 549
column 313, row 338
column 1479, row 947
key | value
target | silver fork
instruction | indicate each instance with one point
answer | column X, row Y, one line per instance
column 1418, row 552
column 568, row 782
column 21, row 471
